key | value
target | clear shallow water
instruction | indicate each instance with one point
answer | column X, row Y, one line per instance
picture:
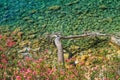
column 73, row 17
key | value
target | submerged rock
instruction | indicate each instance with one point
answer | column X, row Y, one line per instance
column 71, row 3
column 54, row 8
column 26, row 18
column 33, row 11
column 103, row 7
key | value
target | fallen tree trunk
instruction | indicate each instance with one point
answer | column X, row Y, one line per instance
column 58, row 43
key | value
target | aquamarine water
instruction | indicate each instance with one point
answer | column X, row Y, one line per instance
column 73, row 16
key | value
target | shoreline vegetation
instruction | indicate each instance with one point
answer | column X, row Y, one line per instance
column 28, row 52
column 92, row 58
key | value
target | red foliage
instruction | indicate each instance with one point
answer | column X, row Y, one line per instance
column 3, row 56
column 10, row 43
column 1, row 49
column 1, row 66
column 1, row 36
column 18, row 78
column 4, row 61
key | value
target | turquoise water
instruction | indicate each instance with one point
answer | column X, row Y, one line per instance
column 70, row 16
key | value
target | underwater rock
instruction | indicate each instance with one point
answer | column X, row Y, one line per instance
column 71, row 3
column 26, row 18
column 30, row 21
column 80, row 17
column 54, row 8
column 103, row 7
column 108, row 19
column 44, row 25
column 78, row 12
column 33, row 11
column 61, row 14
column 41, row 18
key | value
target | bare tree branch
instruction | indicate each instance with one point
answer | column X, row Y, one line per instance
column 115, row 40
column 83, row 35
column 58, row 43
column 60, row 50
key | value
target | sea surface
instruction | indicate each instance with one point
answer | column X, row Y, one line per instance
column 64, row 16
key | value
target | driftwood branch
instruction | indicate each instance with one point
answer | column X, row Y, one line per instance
column 92, row 34
column 115, row 41
column 60, row 50
column 58, row 43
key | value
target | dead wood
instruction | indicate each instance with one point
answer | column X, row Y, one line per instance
column 58, row 43
column 115, row 41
